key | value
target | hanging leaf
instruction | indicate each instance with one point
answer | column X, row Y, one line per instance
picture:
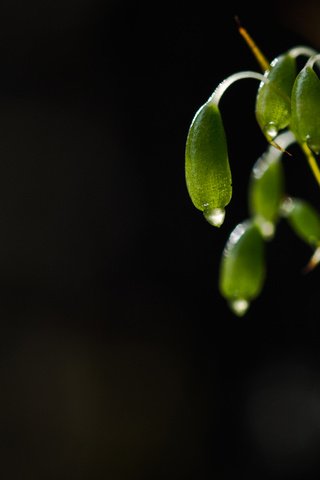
column 207, row 169
column 266, row 186
column 303, row 219
column 242, row 268
column 273, row 104
column 306, row 108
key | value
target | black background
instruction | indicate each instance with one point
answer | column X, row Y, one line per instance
column 119, row 358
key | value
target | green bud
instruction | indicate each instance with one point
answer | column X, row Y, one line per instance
column 207, row 169
column 306, row 108
column 273, row 108
column 242, row 268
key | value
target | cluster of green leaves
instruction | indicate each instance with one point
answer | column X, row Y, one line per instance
column 287, row 110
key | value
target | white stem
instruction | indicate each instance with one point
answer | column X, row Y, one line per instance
column 284, row 140
column 301, row 50
column 225, row 84
column 313, row 60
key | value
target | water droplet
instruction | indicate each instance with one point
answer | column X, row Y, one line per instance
column 271, row 130
column 239, row 306
column 215, row 216
column 267, row 229
column 286, row 206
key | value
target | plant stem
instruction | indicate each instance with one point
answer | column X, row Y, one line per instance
column 314, row 59
column 261, row 59
column 312, row 162
column 225, row 84
column 301, row 50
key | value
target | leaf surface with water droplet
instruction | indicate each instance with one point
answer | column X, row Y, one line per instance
column 207, row 169
column 273, row 107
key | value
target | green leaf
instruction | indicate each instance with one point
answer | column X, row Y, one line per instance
column 207, row 169
column 273, row 106
column 306, row 108
column 266, row 190
column 242, row 268
column 303, row 219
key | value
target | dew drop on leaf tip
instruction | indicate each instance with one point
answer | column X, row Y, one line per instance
column 215, row 216
column 286, row 206
column 271, row 130
column 239, row 306
column 267, row 229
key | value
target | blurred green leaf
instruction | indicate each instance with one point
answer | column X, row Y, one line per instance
column 304, row 220
column 242, row 268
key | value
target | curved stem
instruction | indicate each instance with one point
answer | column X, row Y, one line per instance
column 301, row 50
column 227, row 82
column 285, row 139
column 314, row 59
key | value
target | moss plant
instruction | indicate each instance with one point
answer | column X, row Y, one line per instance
column 287, row 110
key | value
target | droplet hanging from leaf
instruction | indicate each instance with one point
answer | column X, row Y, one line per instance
column 208, row 174
column 242, row 268
column 207, row 169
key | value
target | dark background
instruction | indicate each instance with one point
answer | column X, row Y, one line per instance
column 119, row 358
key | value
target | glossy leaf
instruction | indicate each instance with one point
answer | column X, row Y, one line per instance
column 304, row 220
column 306, row 108
column 207, row 169
column 273, row 106
column 242, row 268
